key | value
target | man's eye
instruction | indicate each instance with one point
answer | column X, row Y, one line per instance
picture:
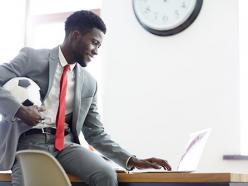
column 96, row 43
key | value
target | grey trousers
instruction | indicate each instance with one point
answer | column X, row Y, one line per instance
column 75, row 159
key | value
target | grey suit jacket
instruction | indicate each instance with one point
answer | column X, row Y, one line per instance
column 40, row 66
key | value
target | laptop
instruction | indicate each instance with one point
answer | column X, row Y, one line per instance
column 192, row 154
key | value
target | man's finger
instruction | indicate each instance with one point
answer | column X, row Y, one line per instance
column 160, row 162
column 166, row 166
column 41, row 109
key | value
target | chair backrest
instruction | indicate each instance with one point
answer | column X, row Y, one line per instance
column 39, row 168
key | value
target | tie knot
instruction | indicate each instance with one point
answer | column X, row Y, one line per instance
column 66, row 67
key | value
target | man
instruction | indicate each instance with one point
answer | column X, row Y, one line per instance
column 68, row 94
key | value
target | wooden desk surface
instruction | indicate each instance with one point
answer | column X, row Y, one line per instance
column 5, row 177
column 168, row 177
column 183, row 177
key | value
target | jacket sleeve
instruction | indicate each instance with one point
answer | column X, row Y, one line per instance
column 95, row 135
column 15, row 68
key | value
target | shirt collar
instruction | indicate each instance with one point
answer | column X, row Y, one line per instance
column 63, row 61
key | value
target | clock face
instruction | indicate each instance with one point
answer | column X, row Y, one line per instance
column 164, row 17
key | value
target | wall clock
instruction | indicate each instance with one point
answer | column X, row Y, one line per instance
column 166, row 17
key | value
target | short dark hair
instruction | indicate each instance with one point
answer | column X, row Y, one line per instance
column 83, row 21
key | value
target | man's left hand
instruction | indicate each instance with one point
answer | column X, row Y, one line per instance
column 154, row 163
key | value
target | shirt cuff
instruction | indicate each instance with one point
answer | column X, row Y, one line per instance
column 129, row 168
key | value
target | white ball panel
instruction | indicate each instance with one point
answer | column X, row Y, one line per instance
column 32, row 92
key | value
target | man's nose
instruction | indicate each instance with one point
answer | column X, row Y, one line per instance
column 95, row 51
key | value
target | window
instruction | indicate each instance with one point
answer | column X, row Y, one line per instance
column 12, row 20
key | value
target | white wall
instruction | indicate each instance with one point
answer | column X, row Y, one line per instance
column 159, row 89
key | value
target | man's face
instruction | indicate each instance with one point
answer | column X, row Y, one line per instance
column 85, row 47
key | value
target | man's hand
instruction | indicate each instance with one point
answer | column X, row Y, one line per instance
column 30, row 115
column 154, row 163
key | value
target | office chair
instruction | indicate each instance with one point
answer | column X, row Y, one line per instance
column 39, row 168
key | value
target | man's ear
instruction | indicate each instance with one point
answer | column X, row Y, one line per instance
column 75, row 35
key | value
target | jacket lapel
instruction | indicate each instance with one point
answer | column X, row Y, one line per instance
column 53, row 62
column 79, row 81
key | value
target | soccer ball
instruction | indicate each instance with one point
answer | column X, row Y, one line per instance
column 25, row 90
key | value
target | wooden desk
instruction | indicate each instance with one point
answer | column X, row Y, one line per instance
column 183, row 179
column 165, row 179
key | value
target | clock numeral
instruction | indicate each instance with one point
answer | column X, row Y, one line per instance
column 147, row 10
column 183, row 5
column 165, row 18
column 176, row 13
column 155, row 15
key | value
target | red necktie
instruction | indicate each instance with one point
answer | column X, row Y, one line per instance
column 60, row 119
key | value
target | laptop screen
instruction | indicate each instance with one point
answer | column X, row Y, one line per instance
column 193, row 151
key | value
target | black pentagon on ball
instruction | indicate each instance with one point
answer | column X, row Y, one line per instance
column 27, row 103
column 24, row 83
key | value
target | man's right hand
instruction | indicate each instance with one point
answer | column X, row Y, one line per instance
column 30, row 115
